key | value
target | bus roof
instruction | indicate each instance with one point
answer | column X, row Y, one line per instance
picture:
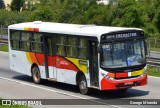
column 73, row 29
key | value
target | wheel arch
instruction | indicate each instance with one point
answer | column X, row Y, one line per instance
column 78, row 75
column 33, row 65
column 35, row 72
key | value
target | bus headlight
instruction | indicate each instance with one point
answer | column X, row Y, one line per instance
column 145, row 73
column 107, row 77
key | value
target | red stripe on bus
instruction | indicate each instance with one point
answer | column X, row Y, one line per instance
column 51, row 61
column 33, row 58
column 58, row 62
column 40, row 58
column 63, row 63
column 36, row 29
column 122, row 75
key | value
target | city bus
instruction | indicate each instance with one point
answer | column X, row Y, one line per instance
column 89, row 56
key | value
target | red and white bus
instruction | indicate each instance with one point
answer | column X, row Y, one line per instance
column 100, row 57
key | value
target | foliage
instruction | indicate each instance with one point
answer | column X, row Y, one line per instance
column 9, row 17
column 153, row 71
column 127, row 14
column 4, row 47
column 16, row 5
column 143, row 14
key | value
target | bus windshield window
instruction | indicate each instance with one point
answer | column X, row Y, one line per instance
column 123, row 54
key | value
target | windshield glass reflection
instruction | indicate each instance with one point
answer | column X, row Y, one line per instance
column 122, row 54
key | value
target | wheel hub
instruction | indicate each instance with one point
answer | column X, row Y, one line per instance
column 83, row 85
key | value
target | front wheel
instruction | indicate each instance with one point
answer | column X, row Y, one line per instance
column 83, row 85
column 36, row 75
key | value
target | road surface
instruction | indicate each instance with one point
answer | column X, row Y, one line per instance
column 21, row 87
column 154, row 54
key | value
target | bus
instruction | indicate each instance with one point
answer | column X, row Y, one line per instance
column 89, row 56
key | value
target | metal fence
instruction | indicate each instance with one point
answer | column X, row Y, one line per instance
column 153, row 44
column 3, row 38
column 3, row 33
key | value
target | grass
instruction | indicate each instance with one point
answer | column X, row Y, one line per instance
column 4, row 47
column 153, row 71
column 12, row 106
column 155, row 49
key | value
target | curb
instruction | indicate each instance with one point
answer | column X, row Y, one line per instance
column 155, row 52
column 4, row 52
column 153, row 77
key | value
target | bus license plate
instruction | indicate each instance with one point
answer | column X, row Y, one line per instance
column 129, row 83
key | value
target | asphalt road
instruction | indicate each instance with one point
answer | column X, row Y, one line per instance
column 21, row 87
column 154, row 54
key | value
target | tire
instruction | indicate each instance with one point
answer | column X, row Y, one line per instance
column 36, row 75
column 82, row 83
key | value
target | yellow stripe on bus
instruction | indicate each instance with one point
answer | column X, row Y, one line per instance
column 26, row 28
column 81, row 67
column 139, row 72
column 28, row 57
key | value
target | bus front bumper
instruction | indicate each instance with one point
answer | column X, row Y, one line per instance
column 122, row 84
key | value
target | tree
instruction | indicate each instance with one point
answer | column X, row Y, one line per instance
column 12, row 17
column 2, row 5
column 143, row 14
column 16, row 5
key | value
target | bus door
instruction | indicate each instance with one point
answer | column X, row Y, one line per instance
column 49, row 57
column 93, row 63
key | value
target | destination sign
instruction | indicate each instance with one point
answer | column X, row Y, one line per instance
column 120, row 35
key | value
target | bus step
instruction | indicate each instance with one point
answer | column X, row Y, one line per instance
column 95, row 87
column 52, row 79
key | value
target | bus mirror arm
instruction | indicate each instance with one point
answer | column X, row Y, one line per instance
column 145, row 44
column 99, row 48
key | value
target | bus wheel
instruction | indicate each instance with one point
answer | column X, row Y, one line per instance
column 36, row 75
column 83, row 85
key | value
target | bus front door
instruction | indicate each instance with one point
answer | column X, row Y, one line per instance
column 49, row 57
column 93, row 63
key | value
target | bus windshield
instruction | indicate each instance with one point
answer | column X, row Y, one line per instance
column 117, row 55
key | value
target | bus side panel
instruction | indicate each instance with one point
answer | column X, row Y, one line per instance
column 19, row 62
column 67, row 69
column 42, row 71
column 38, row 59
column 83, row 66
column 66, row 76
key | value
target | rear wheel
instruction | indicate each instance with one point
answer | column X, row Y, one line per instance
column 83, row 85
column 36, row 75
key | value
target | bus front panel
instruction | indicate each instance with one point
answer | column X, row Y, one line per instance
column 123, row 60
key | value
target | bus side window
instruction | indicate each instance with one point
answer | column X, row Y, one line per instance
column 61, row 41
column 82, row 48
column 37, row 42
column 26, row 41
column 72, row 46
column 14, row 39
